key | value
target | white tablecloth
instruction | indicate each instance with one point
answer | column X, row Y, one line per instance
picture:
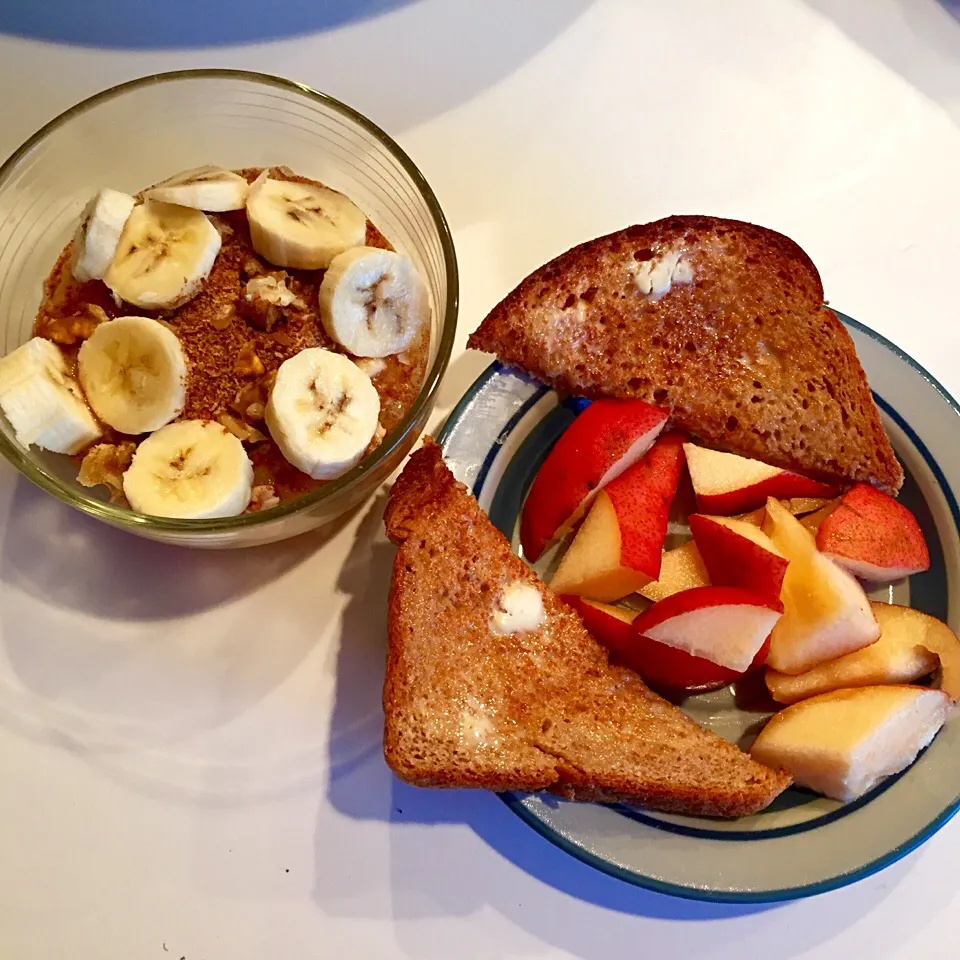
column 190, row 758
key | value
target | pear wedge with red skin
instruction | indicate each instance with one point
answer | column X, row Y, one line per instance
column 607, row 438
column 619, row 545
column 725, row 625
column 739, row 554
column 873, row 537
column 727, row 484
column 612, row 626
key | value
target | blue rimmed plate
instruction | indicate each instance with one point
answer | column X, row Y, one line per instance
column 496, row 439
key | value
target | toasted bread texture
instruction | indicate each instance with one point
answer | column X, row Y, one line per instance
column 720, row 320
column 540, row 709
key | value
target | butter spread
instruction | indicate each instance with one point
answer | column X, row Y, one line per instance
column 519, row 609
column 655, row 277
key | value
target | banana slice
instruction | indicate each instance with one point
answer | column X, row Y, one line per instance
column 133, row 371
column 99, row 234
column 373, row 302
column 322, row 413
column 42, row 401
column 165, row 254
column 206, row 188
column 192, row 470
column 302, row 225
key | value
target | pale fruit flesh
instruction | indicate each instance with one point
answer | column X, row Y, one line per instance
column 826, row 613
column 591, row 566
column 681, row 569
column 903, row 654
column 726, row 634
column 843, row 743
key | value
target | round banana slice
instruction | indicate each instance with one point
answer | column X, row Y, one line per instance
column 42, row 401
column 133, row 371
column 373, row 302
column 165, row 254
column 205, row 188
column 192, row 470
column 323, row 412
column 302, row 225
column 97, row 238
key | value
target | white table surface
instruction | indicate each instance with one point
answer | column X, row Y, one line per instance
column 190, row 755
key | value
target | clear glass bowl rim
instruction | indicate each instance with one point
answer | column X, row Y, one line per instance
column 120, row 516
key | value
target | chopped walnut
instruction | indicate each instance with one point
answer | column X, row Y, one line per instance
column 105, row 464
column 262, row 497
column 256, row 411
column 249, row 395
column 68, row 330
column 242, row 431
column 248, row 363
column 265, row 298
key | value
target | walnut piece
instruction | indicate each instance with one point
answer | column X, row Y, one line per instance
column 265, row 298
column 248, row 363
column 241, row 430
column 262, row 497
column 68, row 330
column 105, row 464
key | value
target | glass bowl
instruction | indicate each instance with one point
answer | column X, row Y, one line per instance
column 140, row 132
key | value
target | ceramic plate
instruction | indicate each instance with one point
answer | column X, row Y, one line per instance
column 496, row 439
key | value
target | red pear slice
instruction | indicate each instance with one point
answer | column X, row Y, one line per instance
column 873, row 537
column 607, row 438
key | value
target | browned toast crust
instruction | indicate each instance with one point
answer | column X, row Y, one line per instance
column 746, row 354
column 466, row 707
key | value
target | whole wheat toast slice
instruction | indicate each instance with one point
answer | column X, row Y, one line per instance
column 741, row 346
column 540, row 710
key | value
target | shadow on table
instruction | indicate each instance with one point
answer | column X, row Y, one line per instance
column 135, row 24
column 362, row 787
column 71, row 561
column 920, row 41
column 127, row 653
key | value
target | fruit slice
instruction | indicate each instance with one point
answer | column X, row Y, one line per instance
column 373, row 302
column 43, row 403
column 727, row 484
column 826, row 613
column 302, row 225
column 99, row 233
column 911, row 646
column 672, row 670
column 844, row 743
column 873, row 537
column 323, row 412
column 610, row 625
column 736, row 553
column 680, row 569
column 164, row 255
column 133, row 371
column 683, row 567
column 605, row 440
column 618, row 548
column 205, row 188
column 192, row 470
column 725, row 625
